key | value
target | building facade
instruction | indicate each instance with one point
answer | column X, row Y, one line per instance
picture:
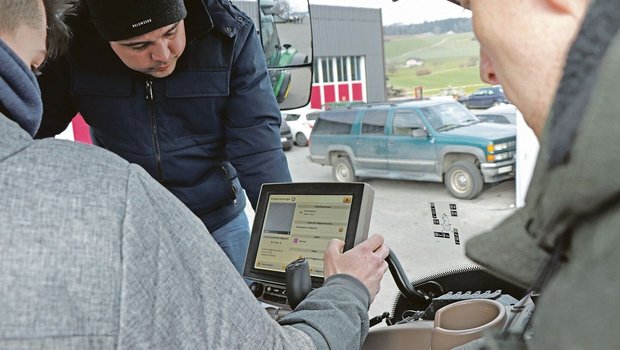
column 348, row 53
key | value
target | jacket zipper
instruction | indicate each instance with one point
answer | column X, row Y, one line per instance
column 149, row 100
column 233, row 189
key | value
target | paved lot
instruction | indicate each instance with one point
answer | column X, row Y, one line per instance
column 401, row 213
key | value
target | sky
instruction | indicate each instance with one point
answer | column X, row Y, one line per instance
column 405, row 11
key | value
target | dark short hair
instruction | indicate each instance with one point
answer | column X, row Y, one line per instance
column 58, row 33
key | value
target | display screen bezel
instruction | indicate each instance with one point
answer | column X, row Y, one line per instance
column 356, row 190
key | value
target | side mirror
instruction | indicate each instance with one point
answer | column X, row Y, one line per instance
column 419, row 132
column 286, row 35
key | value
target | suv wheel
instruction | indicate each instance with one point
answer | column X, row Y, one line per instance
column 464, row 180
column 343, row 170
column 301, row 140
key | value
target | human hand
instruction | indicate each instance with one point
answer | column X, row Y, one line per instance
column 366, row 262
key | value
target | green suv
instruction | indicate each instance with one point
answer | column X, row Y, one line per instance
column 439, row 141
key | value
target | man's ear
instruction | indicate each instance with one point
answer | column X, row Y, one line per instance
column 568, row 7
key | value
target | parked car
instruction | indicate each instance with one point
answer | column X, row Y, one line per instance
column 301, row 122
column 485, row 97
column 286, row 137
column 502, row 114
column 427, row 140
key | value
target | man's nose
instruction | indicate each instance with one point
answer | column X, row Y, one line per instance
column 487, row 71
column 160, row 51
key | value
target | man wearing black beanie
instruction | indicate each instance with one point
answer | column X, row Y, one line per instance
column 182, row 89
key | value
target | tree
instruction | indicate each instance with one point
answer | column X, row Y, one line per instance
column 457, row 25
column 392, row 68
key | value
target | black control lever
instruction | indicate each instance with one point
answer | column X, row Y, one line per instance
column 298, row 282
column 402, row 281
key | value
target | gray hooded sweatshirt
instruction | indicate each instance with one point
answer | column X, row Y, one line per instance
column 94, row 254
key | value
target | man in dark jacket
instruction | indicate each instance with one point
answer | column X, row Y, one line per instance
column 182, row 89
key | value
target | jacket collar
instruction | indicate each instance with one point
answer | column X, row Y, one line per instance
column 206, row 15
column 20, row 97
column 598, row 28
column 577, row 176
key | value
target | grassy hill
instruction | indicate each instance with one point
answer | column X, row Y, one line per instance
column 449, row 61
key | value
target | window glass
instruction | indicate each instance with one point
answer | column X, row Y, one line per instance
column 334, row 123
column 447, row 116
column 492, row 118
column 373, row 122
column 312, row 116
column 342, row 69
column 292, row 117
column 406, row 121
column 355, row 68
column 270, row 40
column 327, row 70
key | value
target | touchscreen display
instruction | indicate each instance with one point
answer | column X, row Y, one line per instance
column 297, row 226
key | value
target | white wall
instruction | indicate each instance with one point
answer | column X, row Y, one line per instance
column 527, row 152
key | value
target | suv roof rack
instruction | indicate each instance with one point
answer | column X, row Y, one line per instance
column 360, row 104
column 339, row 105
column 395, row 103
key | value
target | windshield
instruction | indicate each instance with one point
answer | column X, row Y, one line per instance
column 447, row 116
column 361, row 61
column 269, row 37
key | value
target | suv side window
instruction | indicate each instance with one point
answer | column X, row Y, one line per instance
column 373, row 122
column 406, row 121
column 292, row 117
column 312, row 116
column 334, row 123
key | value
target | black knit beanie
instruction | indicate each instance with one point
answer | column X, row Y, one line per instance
column 123, row 19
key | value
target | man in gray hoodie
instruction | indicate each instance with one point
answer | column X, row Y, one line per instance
column 94, row 254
